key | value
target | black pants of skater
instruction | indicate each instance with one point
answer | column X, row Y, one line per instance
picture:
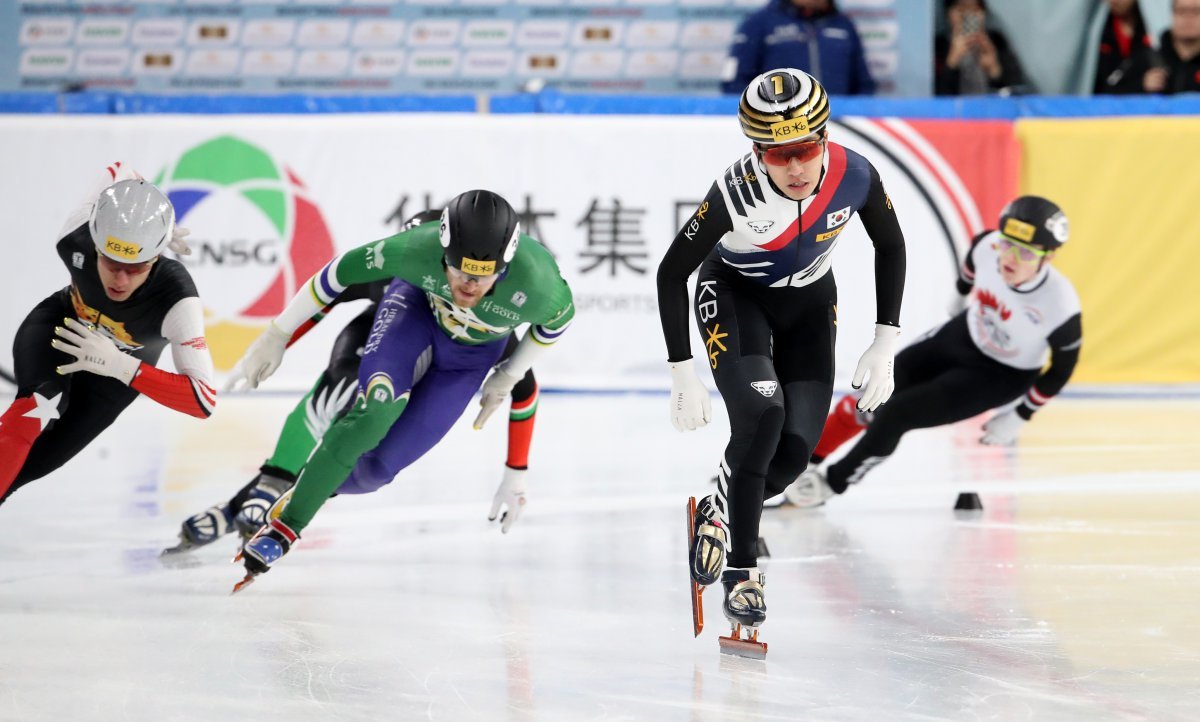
column 771, row 355
column 89, row 403
column 941, row 379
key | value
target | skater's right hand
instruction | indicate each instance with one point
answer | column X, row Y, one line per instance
column 691, row 407
column 260, row 360
column 493, row 393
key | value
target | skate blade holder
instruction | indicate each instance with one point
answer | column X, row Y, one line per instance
column 243, row 584
column 746, row 646
column 696, row 590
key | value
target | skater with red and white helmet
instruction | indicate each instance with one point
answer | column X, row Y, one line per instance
column 1020, row 311
column 86, row 352
column 766, row 306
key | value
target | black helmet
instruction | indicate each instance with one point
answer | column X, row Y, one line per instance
column 1035, row 220
column 429, row 216
column 479, row 232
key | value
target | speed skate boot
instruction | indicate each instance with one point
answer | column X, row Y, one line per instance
column 810, row 490
column 263, row 494
column 746, row 609
column 266, row 547
column 707, row 542
column 202, row 529
column 706, row 553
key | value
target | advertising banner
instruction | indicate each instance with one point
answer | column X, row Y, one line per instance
column 382, row 47
column 270, row 199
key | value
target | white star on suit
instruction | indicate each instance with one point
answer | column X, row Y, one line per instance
column 46, row 410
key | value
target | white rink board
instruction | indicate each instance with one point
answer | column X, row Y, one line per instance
column 356, row 168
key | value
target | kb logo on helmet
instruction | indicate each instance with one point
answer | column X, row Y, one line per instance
column 789, row 129
column 478, row 268
column 117, row 247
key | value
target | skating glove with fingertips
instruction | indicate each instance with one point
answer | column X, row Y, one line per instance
column 94, row 352
column 691, row 407
column 1002, row 429
column 875, row 367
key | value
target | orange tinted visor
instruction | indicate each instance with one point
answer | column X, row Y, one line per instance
column 133, row 269
column 781, row 155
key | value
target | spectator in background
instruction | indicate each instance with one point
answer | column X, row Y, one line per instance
column 807, row 34
column 1126, row 54
column 973, row 59
column 1180, row 52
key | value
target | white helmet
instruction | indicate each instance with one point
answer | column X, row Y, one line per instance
column 132, row 221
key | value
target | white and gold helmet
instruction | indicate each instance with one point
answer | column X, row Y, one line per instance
column 783, row 105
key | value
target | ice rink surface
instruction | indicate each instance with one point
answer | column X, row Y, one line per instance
column 1072, row 596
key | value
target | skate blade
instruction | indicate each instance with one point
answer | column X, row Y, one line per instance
column 180, row 548
column 697, row 590
column 738, row 647
column 243, row 584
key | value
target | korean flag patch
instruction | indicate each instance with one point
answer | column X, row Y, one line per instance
column 837, row 218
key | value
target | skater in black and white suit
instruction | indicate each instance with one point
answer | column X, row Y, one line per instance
column 766, row 304
column 1020, row 311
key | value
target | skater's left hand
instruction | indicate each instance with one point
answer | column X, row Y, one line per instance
column 1002, row 429
column 93, row 352
column 495, row 390
column 511, row 495
column 876, row 367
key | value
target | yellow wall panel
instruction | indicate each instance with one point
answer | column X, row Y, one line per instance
column 1131, row 190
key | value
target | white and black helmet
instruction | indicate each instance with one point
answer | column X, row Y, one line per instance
column 1035, row 220
column 783, row 105
column 480, row 232
column 132, row 221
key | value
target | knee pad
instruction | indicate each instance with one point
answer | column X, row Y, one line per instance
column 771, row 419
column 765, row 434
column 368, row 475
column 365, row 425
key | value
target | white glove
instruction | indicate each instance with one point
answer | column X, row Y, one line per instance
column 495, row 390
column 691, row 407
column 260, row 360
column 178, row 244
column 876, row 366
column 1002, row 429
column 956, row 305
column 93, row 352
column 511, row 495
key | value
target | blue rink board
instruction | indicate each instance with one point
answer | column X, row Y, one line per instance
column 987, row 108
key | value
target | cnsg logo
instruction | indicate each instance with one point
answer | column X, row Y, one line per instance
column 256, row 236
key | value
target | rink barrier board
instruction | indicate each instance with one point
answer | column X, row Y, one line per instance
column 550, row 102
column 1137, row 314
